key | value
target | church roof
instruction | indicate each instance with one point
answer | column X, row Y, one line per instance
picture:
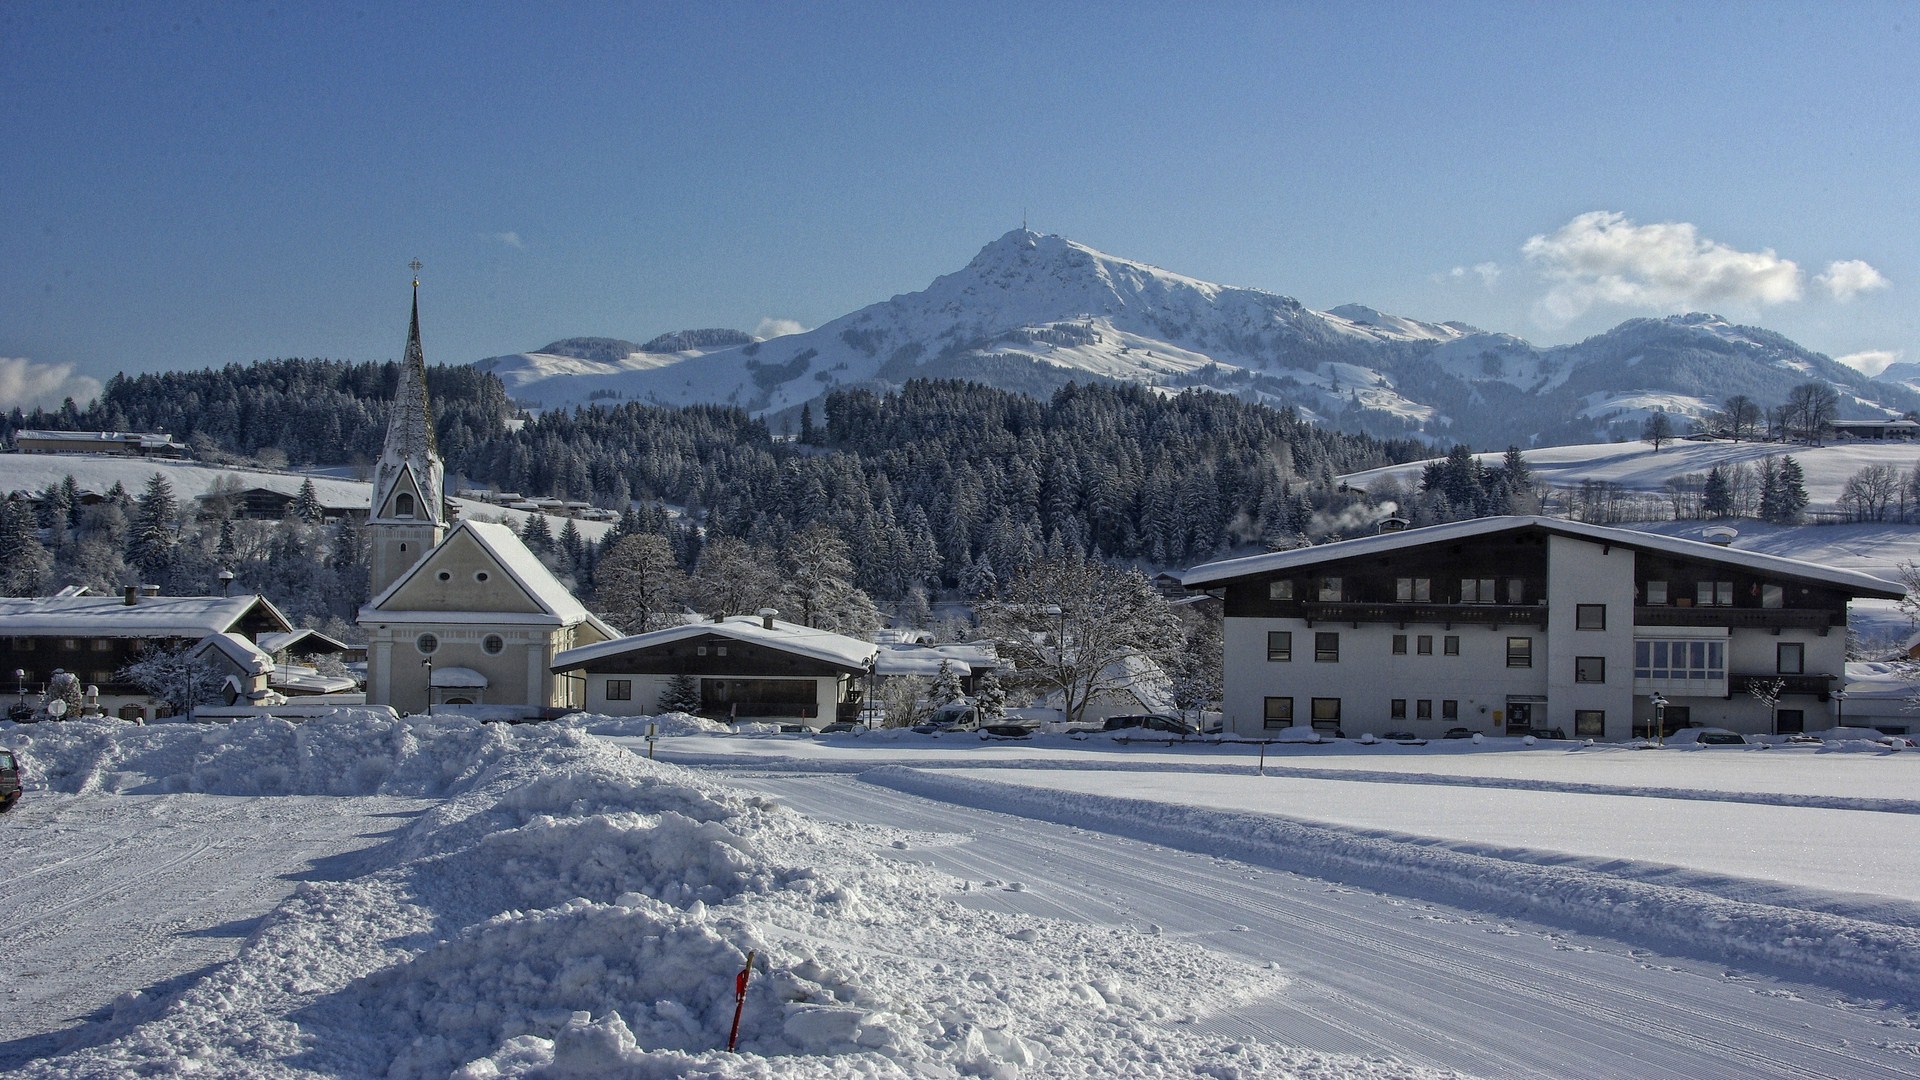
column 519, row 563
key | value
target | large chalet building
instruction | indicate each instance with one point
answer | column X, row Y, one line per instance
column 1510, row 624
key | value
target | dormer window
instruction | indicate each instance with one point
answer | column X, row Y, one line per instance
column 403, row 504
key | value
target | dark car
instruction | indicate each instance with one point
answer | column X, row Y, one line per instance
column 9, row 780
column 1459, row 733
column 1406, row 737
column 1172, row 725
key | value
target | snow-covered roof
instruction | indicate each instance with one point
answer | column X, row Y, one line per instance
column 965, row 657
column 1228, row 569
column 310, row 639
column 249, row 657
column 520, row 564
column 300, row 679
column 111, row 616
column 838, row 649
column 146, row 440
column 457, row 678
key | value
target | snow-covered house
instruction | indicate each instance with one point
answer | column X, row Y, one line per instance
column 143, row 443
column 746, row 667
column 968, row 660
column 248, row 668
column 1509, row 623
column 95, row 637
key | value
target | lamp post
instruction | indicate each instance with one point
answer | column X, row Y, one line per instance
column 428, row 664
column 1840, row 708
column 1659, row 719
column 1060, row 655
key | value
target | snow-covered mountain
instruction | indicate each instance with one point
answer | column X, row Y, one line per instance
column 1032, row 313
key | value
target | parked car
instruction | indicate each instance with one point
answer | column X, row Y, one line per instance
column 9, row 780
column 843, row 727
column 956, row 716
column 1707, row 736
column 1800, row 738
column 1459, row 733
column 1172, row 725
column 1014, row 730
column 1898, row 742
column 1538, row 732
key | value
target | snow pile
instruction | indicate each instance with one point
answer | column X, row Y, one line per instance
column 570, row 909
column 1852, row 951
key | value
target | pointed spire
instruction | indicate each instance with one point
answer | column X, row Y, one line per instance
column 410, row 448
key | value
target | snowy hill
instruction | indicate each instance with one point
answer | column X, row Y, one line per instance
column 1031, row 313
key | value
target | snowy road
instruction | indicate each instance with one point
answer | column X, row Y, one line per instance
column 1380, row 974
column 101, row 895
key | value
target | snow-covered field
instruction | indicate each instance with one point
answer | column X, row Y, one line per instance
column 352, row 897
column 31, row 473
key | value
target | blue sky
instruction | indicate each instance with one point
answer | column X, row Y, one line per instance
column 197, row 184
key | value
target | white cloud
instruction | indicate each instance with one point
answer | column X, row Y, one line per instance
column 1870, row 362
column 1847, row 280
column 771, row 327
column 511, row 239
column 1603, row 258
column 25, row 384
column 1487, row 272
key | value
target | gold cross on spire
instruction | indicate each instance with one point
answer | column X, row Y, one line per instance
column 415, row 267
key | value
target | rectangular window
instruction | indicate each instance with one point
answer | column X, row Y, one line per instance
column 1279, row 646
column 1589, row 724
column 71, row 644
column 1450, row 645
column 619, row 689
column 1773, row 596
column 1425, row 644
column 1516, row 590
column 1477, row 591
column 1326, row 708
column 1330, row 590
column 1591, row 669
column 1519, row 652
column 1280, row 590
column 1423, row 709
column 1792, row 657
column 1397, row 709
column 1449, row 709
column 1679, row 661
column 101, row 644
column 1326, row 647
column 1279, row 712
column 1399, row 644
column 1590, row 616
column 1413, row 590
column 1789, row 721
column 1713, row 594
column 1656, row 593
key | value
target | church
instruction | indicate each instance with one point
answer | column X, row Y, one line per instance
column 462, row 616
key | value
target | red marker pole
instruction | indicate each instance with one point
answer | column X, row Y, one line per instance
column 739, row 1000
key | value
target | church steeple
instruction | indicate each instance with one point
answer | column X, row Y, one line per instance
column 408, row 514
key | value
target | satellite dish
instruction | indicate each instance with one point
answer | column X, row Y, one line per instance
column 56, row 707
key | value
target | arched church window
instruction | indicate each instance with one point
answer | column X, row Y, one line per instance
column 403, row 504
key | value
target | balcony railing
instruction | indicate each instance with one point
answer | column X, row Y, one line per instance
column 1789, row 684
column 1737, row 618
column 1471, row 614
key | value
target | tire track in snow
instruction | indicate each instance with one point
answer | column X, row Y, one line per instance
column 1418, row 980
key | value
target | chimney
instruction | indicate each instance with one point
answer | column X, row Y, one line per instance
column 766, row 617
column 133, row 595
column 149, row 590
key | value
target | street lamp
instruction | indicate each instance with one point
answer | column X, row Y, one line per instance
column 1659, row 719
column 1840, row 708
column 428, row 664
